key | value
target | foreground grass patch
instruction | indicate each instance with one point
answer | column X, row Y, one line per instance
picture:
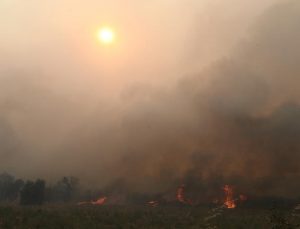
column 97, row 217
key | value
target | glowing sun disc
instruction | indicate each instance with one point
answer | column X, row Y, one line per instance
column 106, row 35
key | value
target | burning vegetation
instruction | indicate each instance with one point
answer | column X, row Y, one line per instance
column 181, row 195
column 240, row 110
column 99, row 201
column 229, row 202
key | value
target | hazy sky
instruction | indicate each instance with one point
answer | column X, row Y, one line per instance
column 196, row 77
column 156, row 40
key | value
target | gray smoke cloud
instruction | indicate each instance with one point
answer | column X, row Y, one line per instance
column 236, row 121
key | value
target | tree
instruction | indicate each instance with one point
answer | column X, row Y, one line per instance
column 33, row 193
column 66, row 188
column 6, row 181
column 9, row 187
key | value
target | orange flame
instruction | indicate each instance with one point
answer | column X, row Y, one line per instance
column 180, row 195
column 99, row 201
column 229, row 201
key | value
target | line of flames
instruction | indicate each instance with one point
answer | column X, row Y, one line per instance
column 229, row 201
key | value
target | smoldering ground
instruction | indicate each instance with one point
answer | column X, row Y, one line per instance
column 236, row 121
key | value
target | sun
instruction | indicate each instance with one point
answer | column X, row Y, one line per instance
column 106, row 35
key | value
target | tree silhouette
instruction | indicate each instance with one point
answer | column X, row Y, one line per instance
column 33, row 193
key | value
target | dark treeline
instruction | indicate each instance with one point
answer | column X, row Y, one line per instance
column 13, row 190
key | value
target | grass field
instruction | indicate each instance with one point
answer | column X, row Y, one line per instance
column 92, row 217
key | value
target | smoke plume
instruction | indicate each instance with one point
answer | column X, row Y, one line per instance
column 236, row 120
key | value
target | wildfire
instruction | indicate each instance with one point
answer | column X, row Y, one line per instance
column 99, row 201
column 180, row 195
column 229, row 202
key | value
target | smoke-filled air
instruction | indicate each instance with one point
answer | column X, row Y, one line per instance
column 202, row 93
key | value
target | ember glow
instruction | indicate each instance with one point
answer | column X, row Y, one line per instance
column 153, row 203
column 243, row 197
column 181, row 197
column 229, row 202
column 180, row 194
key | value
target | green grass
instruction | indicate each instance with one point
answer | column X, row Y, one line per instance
column 97, row 217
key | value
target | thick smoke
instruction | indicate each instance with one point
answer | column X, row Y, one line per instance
column 237, row 121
